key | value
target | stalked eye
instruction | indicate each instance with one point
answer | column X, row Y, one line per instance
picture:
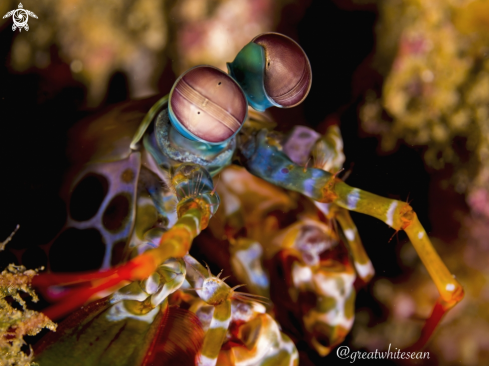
column 207, row 105
column 288, row 72
column 273, row 70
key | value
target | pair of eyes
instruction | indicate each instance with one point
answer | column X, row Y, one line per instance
column 210, row 106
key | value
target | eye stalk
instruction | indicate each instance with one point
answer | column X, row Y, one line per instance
column 273, row 70
column 207, row 105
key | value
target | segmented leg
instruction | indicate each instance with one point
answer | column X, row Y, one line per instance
column 216, row 334
column 253, row 337
column 319, row 276
column 400, row 216
column 328, row 155
column 134, row 326
column 361, row 261
column 264, row 343
column 263, row 158
column 194, row 209
column 141, row 297
column 214, row 291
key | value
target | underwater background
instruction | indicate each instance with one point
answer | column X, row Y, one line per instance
column 408, row 81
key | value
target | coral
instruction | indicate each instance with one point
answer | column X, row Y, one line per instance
column 433, row 55
column 213, row 32
column 16, row 320
column 96, row 39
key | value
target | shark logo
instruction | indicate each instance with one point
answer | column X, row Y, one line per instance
column 20, row 17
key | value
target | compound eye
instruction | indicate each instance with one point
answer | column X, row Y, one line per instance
column 272, row 70
column 288, row 73
column 207, row 105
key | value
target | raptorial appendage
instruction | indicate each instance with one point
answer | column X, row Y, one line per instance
column 134, row 326
column 194, row 211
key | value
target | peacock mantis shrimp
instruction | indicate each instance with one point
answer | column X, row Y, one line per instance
column 150, row 193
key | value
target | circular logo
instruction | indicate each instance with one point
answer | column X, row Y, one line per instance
column 20, row 17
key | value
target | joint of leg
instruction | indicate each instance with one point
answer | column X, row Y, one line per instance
column 186, row 205
column 328, row 193
column 140, row 267
column 407, row 216
column 199, row 203
column 453, row 295
column 175, row 243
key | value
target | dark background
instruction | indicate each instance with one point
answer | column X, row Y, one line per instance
column 38, row 106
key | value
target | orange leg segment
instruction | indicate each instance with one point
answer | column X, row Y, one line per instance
column 174, row 243
column 400, row 216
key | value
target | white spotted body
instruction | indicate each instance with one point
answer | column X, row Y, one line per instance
column 218, row 306
column 309, row 252
column 253, row 338
column 330, row 277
